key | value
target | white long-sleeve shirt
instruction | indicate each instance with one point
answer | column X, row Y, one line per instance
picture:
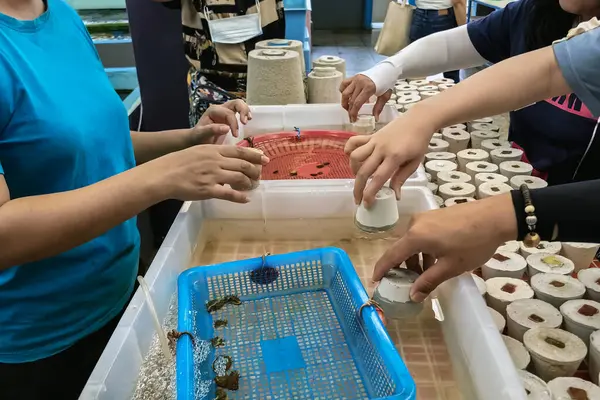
column 449, row 50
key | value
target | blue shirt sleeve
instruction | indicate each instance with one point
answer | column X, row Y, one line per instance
column 493, row 36
column 578, row 59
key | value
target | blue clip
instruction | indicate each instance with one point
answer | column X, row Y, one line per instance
column 297, row 133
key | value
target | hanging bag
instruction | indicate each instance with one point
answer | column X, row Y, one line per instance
column 395, row 34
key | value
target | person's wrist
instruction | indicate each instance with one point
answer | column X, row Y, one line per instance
column 154, row 176
column 501, row 217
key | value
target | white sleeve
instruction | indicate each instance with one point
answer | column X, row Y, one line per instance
column 443, row 51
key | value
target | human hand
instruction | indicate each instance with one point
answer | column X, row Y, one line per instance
column 200, row 172
column 462, row 238
column 217, row 120
column 395, row 152
column 356, row 91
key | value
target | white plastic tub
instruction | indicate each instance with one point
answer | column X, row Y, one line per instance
column 270, row 119
column 482, row 365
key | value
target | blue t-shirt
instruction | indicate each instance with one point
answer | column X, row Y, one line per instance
column 554, row 133
column 62, row 127
column 579, row 61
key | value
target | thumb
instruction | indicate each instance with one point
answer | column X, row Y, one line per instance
column 379, row 104
column 211, row 130
column 432, row 278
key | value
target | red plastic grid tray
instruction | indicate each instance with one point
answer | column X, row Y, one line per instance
column 313, row 154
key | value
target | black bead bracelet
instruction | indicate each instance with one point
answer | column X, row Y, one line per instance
column 532, row 239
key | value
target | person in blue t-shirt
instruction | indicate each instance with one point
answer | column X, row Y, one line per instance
column 556, row 134
column 69, row 193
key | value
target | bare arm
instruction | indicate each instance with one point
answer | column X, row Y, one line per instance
column 37, row 227
column 150, row 145
column 396, row 150
column 33, row 228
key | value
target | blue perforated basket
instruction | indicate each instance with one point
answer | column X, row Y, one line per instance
column 296, row 337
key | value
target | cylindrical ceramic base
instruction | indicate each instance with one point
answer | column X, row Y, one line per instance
column 503, row 291
column 405, row 88
column 518, row 352
column 543, row 247
column 434, row 167
column 499, row 156
column 532, row 182
column 485, row 127
column 457, row 138
column 406, row 93
column 453, row 176
column 594, row 356
column 440, row 155
column 419, row 82
column 480, row 283
column 511, row 246
column 439, row 201
column 428, row 88
column 582, row 254
column 433, row 187
column 324, row 85
column 274, row 78
column 383, row 214
column 428, row 176
column 446, row 86
column 582, row 318
column 456, row 189
column 513, row 168
column 554, row 352
column 443, row 81
column 471, row 155
column 498, row 319
column 286, row 44
column 477, row 138
column 573, row 388
column 438, row 145
column 364, row 125
column 479, row 167
column 493, row 188
column 331, row 61
column 452, row 201
column 535, row 387
column 492, row 144
column 393, row 294
column 590, row 277
column 550, row 264
column 556, row 289
column 504, row 264
column 489, row 177
column 407, row 100
column 486, row 120
column 523, row 315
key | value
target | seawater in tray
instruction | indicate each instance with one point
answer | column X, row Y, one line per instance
column 298, row 337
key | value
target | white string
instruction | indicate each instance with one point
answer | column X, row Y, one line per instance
column 588, row 148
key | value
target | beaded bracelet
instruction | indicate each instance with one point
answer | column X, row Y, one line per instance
column 532, row 239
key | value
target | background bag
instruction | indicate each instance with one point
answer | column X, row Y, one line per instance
column 394, row 35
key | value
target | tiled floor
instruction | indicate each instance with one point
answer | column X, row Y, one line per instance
column 355, row 48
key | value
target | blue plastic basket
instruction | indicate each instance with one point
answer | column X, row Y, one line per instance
column 297, row 337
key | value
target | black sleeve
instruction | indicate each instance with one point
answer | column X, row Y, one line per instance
column 573, row 208
column 173, row 5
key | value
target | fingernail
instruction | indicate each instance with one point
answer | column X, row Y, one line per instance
column 249, row 115
column 418, row 297
column 247, row 199
column 224, row 129
column 265, row 159
column 397, row 194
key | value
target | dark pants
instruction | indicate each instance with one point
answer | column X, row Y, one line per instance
column 426, row 22
column 61, row 376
